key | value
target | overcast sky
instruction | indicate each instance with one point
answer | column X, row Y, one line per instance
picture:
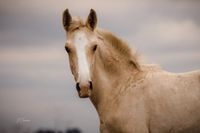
column 35, row 81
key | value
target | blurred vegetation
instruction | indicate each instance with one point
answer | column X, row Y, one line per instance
column 74, row 130
column 41, row 130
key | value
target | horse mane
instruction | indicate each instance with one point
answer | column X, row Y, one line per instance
column 120, row 47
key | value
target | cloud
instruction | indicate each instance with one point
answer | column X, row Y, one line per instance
column 168, row 42
column 38, row 21
column 170, row 33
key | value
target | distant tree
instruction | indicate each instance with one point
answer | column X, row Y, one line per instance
column 45, row 131
column 74, row 130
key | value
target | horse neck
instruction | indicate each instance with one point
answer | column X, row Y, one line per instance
column 110, row 74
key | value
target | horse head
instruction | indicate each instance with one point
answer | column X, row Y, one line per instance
column 81, row 46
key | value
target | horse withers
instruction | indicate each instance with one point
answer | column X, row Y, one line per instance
column 129, row 97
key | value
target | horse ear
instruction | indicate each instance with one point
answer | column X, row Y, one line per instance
column 66, row 19
column 92, row 20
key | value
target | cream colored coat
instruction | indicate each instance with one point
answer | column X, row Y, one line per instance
column 150, row 101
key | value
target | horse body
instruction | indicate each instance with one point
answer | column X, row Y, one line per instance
column 129, row 97
column 154, row 102
column 174, row 102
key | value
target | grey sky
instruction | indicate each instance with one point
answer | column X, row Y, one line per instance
column 35, row 81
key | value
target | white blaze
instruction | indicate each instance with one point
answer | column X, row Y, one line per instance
column 80, row 42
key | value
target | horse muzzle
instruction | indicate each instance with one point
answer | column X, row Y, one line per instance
column 84, row 90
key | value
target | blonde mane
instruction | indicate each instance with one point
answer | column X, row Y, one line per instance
column 120, row 46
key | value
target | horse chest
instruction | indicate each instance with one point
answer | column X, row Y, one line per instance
column 125, row 118
column 118, row 124
column 113, row 123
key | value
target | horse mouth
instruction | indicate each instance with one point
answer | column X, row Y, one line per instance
column 85, row 93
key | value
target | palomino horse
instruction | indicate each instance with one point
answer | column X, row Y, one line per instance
column 129, row 97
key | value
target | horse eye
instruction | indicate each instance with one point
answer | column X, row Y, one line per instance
column 94, row 48
column 67, row 49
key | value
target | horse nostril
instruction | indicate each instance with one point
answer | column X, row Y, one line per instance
column 91, row 87
column 78, row 87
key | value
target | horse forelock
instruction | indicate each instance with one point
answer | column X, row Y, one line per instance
column 76, row 22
